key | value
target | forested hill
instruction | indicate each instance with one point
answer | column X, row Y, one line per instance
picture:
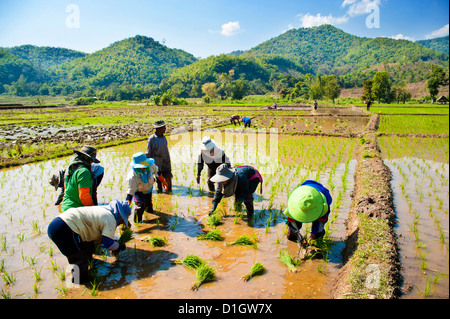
column 438, row 44
column 136, row 60
column 44, row 57
column 329, row 50
column 12, row 68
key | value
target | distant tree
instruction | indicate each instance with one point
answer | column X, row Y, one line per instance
column 316, row 89
column 210, row 90
column 436, row 79
column 44, row 90
column 166, row 98
column 400, row 93
column 238, row 89
column 156, row 99
column 300, row 89
column 381, row 86
column 367, row 90
column 331, row 88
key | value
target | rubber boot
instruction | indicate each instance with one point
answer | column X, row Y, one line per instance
column 250, row 210
column 81, row 261
column 138, row 212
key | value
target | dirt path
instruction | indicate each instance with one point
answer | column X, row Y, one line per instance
column 370, row 257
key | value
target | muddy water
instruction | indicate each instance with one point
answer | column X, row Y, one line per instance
column 314, row 124
column 421, row 198
column 142, row 271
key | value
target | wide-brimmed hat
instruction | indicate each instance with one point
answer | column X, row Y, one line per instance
column 306, row 204
column 141, row 161
column 207, row 143
column 159, row 123
column 223, row 173
column 54, row 180
column 90, row 152
column 120, row 209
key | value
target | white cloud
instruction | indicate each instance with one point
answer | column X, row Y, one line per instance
column 308, row 20
column 402, row 37
column 231, row 28
column 359, row 7
column 442, row 32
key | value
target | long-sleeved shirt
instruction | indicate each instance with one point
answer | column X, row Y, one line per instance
column 91, row 223
column 135, row 183
column 78, row 189
column 244, row 185
column 212, row 163
column 158, row 150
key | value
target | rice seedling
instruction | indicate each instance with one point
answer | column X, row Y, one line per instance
column 3, row 245
column 37, row 275
column 53, row 266
column 8, row 278
column 205, row 273
column 427, row 289
column 36, row 287
column 214, row 220
column 243, row 240
column 213, row 235
column 155, row 241
column 31, row 260
column 290, row 262
column 62, row 274
column 190, row 261
column 62, row 289
column 126, row 235
column 5, row 294
column 256, row 270
column 50, row 251
column 95, row 285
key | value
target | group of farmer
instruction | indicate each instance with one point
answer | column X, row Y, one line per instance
column 83, row 222
column 235, row 119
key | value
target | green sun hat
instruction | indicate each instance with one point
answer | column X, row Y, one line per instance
column 306, row 204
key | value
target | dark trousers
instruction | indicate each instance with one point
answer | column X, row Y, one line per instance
column 211, row 173
column 143, row 202
column 72, row 246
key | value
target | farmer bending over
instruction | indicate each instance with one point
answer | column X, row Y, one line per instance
column 57, row 181
column 234, row 119
column 241, row 182
column 247, row 121
column 78, row 179
column 140, row 184
column 212, row 156
column 76, row 231
column 308, row 203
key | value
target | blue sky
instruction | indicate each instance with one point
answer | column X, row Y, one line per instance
column 210, row 27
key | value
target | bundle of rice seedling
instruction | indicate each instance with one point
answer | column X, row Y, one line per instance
column 126, row 236
column 205, row 273
column 244, row 240
column 290, row 262
column 211, row 235
column 155, row 241
column 257, row 269
column 190, row 261
column 214, row 220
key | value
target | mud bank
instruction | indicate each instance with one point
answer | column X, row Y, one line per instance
column 371, row 266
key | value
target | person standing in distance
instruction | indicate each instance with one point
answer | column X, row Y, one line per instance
column 158, row 150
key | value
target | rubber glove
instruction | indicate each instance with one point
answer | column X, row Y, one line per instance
column 163, row 181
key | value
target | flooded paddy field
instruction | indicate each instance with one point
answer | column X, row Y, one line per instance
column 32, row 266
column 420, row 183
